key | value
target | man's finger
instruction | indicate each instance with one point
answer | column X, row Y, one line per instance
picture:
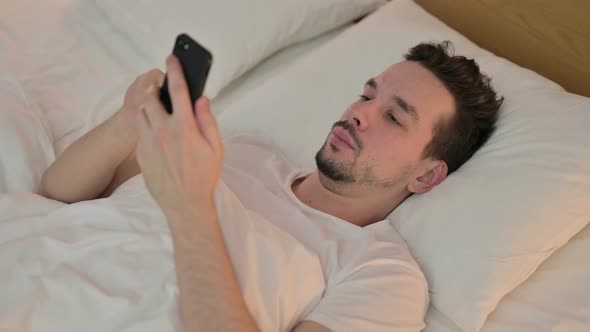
column 179, row 93
column 161, row 78
column 156, row 77
column 208, row 123
column 143, row 124
column 150, row 77
column 155, row 112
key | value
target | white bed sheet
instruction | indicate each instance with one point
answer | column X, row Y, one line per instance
column 436, row 321
column 76, row 67
column 67, row 59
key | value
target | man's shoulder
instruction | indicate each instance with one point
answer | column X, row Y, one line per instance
column 386, row 254
column 389, row 260
column 386, row 279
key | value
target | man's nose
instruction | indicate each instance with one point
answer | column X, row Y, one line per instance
column 361, row 116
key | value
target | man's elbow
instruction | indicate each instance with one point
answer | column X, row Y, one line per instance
column 51, row 191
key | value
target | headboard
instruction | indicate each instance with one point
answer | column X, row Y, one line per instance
column 551, row 37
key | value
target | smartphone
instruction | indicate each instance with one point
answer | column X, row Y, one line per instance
column 196, row 62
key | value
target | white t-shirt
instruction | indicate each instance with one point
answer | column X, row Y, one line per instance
column 296, row 263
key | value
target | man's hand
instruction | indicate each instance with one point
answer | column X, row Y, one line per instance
column 180, row 154
column 144, row 87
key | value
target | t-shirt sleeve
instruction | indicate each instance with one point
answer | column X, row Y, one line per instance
column 384, row 295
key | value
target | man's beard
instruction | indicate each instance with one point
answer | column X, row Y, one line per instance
column 336, row 171
column 347, row 172
column 343, row 172
column 353, row 172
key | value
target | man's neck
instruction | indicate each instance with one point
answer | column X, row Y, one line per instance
column 354, row 206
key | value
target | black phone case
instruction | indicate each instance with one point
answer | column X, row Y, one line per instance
column 196, row 62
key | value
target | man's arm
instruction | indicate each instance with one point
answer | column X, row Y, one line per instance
column 98, row 162
column 126, row 170
column 210, row 296
column 181, row 159
column 86, row 167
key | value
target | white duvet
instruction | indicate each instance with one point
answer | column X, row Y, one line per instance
column 108, row 265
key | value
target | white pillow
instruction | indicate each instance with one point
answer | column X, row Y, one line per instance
column 238, row 33
column 26, row 148
column 489, row 225
column 554, row 298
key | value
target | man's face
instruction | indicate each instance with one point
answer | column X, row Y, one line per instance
column 389, row 127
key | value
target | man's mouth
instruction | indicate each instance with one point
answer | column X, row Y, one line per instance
column 342, row 136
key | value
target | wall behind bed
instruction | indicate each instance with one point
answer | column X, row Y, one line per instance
column 548, row 36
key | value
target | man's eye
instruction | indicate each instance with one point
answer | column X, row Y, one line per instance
column 364, row 98
column 392, row 118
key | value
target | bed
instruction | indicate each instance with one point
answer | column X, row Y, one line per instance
column 512, row 259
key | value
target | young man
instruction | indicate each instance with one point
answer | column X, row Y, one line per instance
column 414, row 124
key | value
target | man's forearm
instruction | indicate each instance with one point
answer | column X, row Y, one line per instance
column 87, row 166
column 210, row 296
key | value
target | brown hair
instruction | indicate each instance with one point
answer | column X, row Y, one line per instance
column 476, row 104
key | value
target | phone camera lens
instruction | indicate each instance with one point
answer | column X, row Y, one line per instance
column 185, row 47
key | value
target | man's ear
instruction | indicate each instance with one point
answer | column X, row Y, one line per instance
column 435, row 173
